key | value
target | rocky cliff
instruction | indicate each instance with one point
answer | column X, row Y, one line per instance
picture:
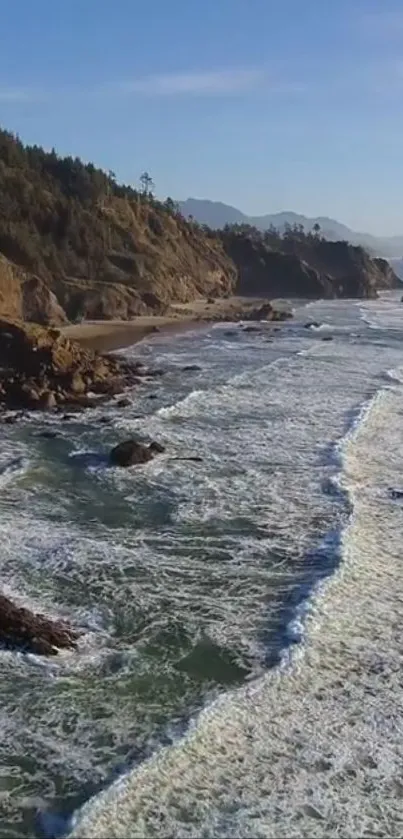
column 303, row 265
column 75, row 244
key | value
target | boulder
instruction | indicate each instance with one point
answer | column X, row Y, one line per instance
column 191, row 368
column 20, row 628
column 123, row 403
column 77, row 384
column 30, row 395
column 47, row 401
column 36, row 360
column 133, row 453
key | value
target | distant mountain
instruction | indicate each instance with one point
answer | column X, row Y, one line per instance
column 217, row 215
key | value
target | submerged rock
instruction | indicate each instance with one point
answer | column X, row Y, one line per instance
column 157, row 448
column 191, row 368
column 20, row 628
column 133, row 453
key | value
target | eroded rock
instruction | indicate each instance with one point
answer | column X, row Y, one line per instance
column 20, row 628
column 41, row 369
column 133, row 453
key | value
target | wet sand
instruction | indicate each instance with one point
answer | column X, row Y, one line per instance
column 106, row 336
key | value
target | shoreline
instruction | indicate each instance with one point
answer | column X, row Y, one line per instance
column 109, row 336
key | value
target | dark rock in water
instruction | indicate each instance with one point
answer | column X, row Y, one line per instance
column 250, row 329
column 396, row 493
column 47, row 434
column 230, row 333
column 157, row 448
column 132, row 453
column 10, row 419
column 312, row 324
column 327, row 338
column 123, row 403
column 21, row 628
column 105, row 420
column 153, row 396
column 191, row 368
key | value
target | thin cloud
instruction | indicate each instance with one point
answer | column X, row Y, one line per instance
column 226, row 82
column 19, row 95
column 211, row 83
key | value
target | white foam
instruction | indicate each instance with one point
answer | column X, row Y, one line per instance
column 314, row 747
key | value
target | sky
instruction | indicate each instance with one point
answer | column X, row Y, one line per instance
column 268, row 106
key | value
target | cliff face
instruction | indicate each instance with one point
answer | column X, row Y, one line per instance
column 302, row 265
column 79, row 245
column 74, row 244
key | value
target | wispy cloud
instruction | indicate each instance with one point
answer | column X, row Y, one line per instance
column 209, row 83
column 224, row 82
column 198, row 84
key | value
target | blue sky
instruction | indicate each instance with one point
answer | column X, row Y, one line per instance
column 264, row 105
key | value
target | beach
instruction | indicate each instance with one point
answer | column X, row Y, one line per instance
column 107, row 336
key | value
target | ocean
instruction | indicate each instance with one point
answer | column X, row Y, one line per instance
column 240, row 668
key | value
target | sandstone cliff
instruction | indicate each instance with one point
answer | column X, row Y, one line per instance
column 78, row 245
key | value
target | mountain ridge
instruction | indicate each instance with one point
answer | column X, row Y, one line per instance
column 217, row 214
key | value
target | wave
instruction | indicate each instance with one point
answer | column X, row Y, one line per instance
column 176, row 554
column 276, row 757
column 13, row 468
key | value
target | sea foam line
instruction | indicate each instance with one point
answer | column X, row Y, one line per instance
column 293, row 753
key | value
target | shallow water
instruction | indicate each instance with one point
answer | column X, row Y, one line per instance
column 188, row 579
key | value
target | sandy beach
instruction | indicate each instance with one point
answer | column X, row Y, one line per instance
column 111, row 335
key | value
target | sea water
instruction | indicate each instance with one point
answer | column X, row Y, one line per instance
column 239, row 670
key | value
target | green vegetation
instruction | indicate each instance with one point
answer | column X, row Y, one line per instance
column 76, row 244
column 103, row 249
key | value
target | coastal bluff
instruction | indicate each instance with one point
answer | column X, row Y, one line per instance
column 76, row 245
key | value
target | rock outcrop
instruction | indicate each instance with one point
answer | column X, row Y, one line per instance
column 42, row 369
column 133, row 453
column 23, row 629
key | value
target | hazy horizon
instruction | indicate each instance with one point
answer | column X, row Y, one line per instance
column 285, row 210
column 250, row 103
